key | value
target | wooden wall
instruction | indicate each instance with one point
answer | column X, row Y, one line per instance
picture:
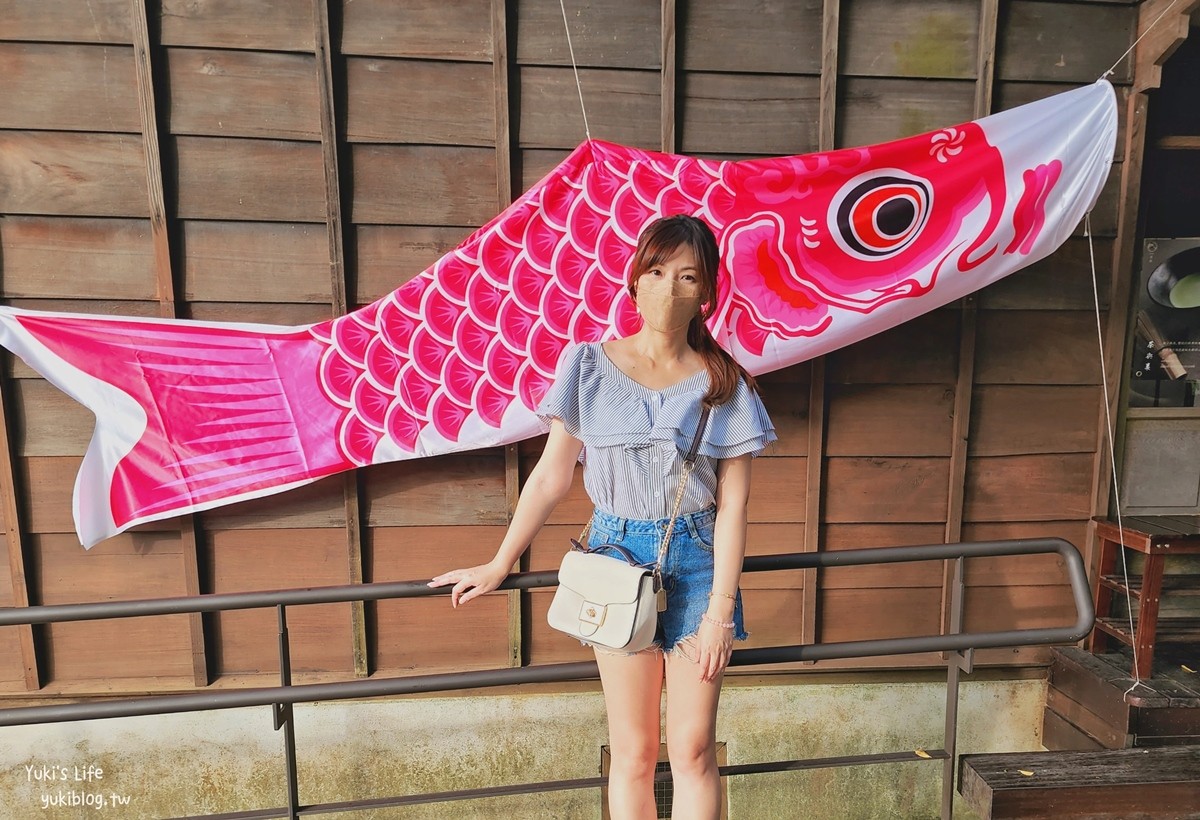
column 286, row 160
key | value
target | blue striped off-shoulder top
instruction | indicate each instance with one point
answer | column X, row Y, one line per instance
column 635, row 438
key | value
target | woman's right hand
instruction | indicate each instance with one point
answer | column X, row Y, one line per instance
column 470, row 583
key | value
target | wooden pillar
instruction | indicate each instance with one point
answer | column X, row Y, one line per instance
column 517, row 600
column 14, row 541
column 165, row 288
column 668, row 74
column 340, row 304
column 815, row 449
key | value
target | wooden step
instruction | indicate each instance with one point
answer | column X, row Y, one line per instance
column 1170, row 630
column 1124, row 783
column 1171, row 584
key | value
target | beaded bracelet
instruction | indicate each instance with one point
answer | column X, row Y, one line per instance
column 722, row 595
column 715, row 622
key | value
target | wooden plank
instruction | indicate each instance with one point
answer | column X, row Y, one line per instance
column 471, row 638
column 246, row 641
column 189, row 559
column 889, row 420
column 428, row 29
column 67, row 87
column 613, row 34
column 534, row 163
column 255, row 262
column 443, row 490
column 418, row 101
column 867, row 536
column 749, row 114
column 1050, row 487
column 48, row 483
column 14, row 547
column 63, row 257
column 814, row 483
column 623, row 106
column 1164, row 32
column 120, row 568
column 1017, row 419
column 985, row 61
column 148, row 120
column 891, row 490
column 72, row 174
column 47, row 422
column 249, row 179
column 1100, row 33
column 1037, row 347
column 786, row 395
column 1061, row 281
column 1058, row 734
column 313, row 506
column 670, row 77
column 1091, row 724
column 830, row 42
column 98, row 21
column 1029, row 570
column 1018, row 607
column 389, row 255
column 774, row 38
column 879, row 109
column 913, row 353
column 227, row 93
column 869, row 614
column 911, row 38
column 440, row 185
column 271, row 25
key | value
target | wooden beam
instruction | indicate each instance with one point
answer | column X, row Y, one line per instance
column 15, row 543
column 1165, row 24
column 339, row 302
column 165, row 289
column 669, row 70
column 985, row 71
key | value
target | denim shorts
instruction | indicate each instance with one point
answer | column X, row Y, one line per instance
column 687, row 572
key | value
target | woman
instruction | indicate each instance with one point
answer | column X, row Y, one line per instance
column 629, row 408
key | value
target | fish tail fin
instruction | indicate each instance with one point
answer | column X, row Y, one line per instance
column 188, row 414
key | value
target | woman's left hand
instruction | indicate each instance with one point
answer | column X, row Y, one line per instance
column 714, row 647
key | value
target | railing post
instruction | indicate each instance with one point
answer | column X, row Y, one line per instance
column 284, row 717
column 957, row 661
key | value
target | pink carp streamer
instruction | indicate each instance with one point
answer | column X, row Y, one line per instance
column 821, row 250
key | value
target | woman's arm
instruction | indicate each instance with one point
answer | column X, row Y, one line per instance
column 729, row 549
column 548, row 484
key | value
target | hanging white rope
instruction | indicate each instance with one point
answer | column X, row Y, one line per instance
column 1149, row 28
column 1112, row 452
column 578, row 86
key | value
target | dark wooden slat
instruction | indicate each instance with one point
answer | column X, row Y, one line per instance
column 1059, row 734
column 886, row 490
column 453, row 490
column 814, row 486
column 390, row 255
column 226, row 93
column 830, row 43
column 72, row 174
column 669, row 91
column 1028, row 487
column 255, row 262
column 67, row 87
column 449, row 186
column 57, row 257
column 1037, row 347
column 613, row 34
column 1099, row 34
column 429, row 29
column 623, row 106
column 879, row 109
column 246, row 179
column 773, row 38
column 98, row 21
column 913, row 353
column 742, row 114
column 911, row 38
column 274, row 25
column 1026, row 419
column 1061, row 281
column 889, row 420
column 1166, row 25
column 14, row 541
column 418, row 101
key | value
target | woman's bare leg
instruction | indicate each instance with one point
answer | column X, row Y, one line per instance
column 692, row 738
column 632, row 696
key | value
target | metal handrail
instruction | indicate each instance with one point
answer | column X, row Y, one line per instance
column 546, row 673
column 960, row 646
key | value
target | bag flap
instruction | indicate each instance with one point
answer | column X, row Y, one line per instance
column 600, row 578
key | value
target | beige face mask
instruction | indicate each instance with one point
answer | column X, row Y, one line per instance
column 666, row 306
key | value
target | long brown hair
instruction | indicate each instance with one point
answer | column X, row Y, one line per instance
column 658, row 243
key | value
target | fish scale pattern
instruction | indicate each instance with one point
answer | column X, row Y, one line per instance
column 485, row 325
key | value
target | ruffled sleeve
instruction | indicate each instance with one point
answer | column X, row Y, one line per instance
column 562, row 399
column 737, row 427
column 594, row 400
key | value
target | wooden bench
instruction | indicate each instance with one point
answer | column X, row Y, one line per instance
column 1160, row 782
column 1157, row 537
